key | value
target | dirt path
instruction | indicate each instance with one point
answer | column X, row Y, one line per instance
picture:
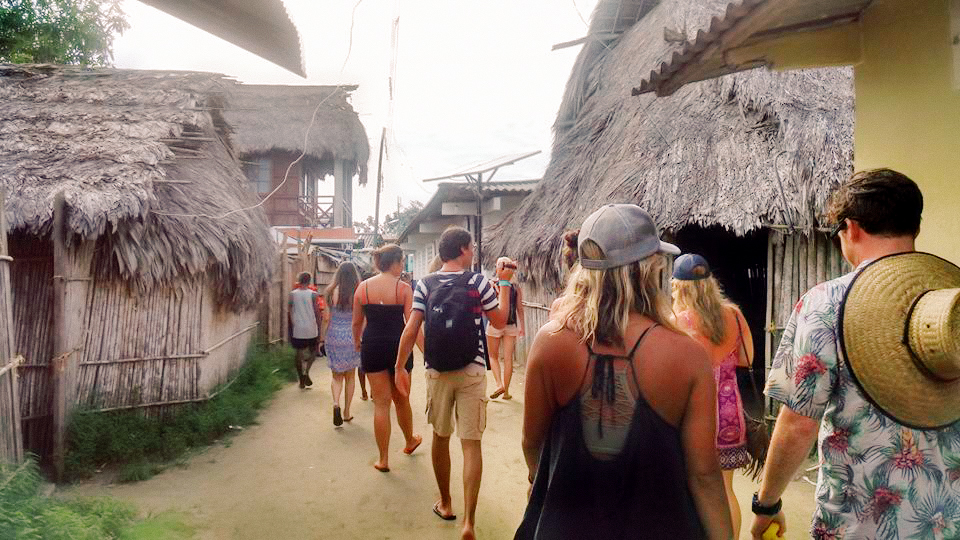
column 295, row 476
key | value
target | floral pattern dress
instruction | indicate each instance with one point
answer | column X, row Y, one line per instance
column 877, row 479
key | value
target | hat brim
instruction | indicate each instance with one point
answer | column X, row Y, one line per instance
column 873, row 316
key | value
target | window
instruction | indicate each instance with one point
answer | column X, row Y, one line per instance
column 258, row 173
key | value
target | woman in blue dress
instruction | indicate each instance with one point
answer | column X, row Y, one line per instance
column 341, row 352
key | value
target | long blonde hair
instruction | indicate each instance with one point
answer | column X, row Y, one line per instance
column 705, row 298
column 597, row 303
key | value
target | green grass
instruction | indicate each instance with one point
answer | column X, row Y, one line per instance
column 143, row 446
column 25, row 514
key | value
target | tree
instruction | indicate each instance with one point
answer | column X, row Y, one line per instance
column 395, row 223
column 60, row 31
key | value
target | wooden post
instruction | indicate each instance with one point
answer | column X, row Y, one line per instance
column 7, row 354
column 58, row 368
column 71, row 277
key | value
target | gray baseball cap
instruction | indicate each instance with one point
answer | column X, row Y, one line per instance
column 625, row 233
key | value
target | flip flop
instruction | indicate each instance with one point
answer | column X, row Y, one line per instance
column 410, row 450
column 337, row 418
column 381, row 469
column 348, row 419
column 496, row 394
column 436, row 510
column 507, row 396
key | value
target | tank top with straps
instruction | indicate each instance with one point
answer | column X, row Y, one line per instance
column 639, row 492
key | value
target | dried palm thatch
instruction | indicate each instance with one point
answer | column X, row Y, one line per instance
column 142, row 161
column 268, row 117
column 744, row 151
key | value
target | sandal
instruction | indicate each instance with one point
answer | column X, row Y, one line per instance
column 409, row 450
column 507, row 396
column 448, row 517
column 337, row 417
column 381, row 469
column 496, row 394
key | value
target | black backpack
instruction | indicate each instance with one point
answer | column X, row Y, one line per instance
column 452, row 337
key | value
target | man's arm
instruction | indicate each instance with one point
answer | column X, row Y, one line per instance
column 498, row 315
column 407, row 339
column 793, row 437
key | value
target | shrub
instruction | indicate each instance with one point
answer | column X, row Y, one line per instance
column 140, row 444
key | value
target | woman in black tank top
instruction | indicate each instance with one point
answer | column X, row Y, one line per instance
column 618, row 412
column 379, row 314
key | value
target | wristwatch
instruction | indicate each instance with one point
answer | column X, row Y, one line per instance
column 762, row 510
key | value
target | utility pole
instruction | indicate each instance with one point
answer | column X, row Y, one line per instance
column 377, row 239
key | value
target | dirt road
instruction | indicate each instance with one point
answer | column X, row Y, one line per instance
column 295, row 476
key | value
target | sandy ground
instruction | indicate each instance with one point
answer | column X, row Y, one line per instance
column 295, row 476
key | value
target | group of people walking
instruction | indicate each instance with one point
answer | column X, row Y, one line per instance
column 633, row 423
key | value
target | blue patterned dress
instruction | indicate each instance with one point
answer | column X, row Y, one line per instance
column 878, row 480
column 342, row 354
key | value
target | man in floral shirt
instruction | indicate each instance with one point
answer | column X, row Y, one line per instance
column 878, row 479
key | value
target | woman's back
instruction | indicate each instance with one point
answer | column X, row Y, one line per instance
column 614, row 462
column 735, row 333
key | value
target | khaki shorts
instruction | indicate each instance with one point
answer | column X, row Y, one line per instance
column 462, row 393
column 508, row 330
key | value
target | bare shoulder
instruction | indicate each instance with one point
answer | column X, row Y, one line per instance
column 554, row 342
column 682, row 352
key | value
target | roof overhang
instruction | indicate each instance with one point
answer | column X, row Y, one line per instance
column 263, row 28
column 786, row 34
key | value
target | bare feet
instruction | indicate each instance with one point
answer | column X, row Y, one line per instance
column 363, row 394
column 381, row 468
column 467, row 533
column 506, row 395
column 417, row 439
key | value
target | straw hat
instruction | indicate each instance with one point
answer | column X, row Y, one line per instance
column 900, row 334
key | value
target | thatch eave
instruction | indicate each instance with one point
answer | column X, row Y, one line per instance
column 740, row 152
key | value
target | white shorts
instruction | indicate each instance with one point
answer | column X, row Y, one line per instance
column 508, row 330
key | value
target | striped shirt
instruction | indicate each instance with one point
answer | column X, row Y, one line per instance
column 488, row 301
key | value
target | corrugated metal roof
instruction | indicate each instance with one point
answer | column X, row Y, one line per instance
column 263, row 27
column 459, row 191
column 745, row 23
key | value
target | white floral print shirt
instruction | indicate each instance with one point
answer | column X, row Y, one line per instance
column 878, row 480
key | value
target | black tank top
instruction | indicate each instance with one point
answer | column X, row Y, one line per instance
column 384, row 321
column 640, row 493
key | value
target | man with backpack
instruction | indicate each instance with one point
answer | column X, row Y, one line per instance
column 449, row 305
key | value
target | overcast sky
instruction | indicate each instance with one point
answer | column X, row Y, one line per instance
column 474, row 81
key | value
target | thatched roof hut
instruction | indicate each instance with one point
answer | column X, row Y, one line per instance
column 270, row 117
column 742, row 152
column 142, row 289
column 141, row 160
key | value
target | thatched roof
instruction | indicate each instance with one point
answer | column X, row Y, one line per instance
column 267, row 117
column 741, row 151
column 127, row 148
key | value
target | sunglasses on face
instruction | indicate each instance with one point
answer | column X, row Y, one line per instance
column 836, row 230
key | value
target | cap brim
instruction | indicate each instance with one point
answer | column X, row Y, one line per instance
column 668, row 248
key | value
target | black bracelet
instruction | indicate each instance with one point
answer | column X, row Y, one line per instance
column 762, row 510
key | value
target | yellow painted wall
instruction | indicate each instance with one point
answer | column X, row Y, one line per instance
column 907, row 111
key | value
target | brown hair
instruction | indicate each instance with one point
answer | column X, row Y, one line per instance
column 569, row 248
column 882, row 201
column 304, row 278
column 386, row 256
column 452, row 242
column 345, row 282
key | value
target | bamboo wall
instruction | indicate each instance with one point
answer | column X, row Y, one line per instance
column 536, row 307
column 149, row 351
column 795, row 263
column 11, row 438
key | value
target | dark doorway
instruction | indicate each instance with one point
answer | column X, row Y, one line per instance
column 740, row 265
